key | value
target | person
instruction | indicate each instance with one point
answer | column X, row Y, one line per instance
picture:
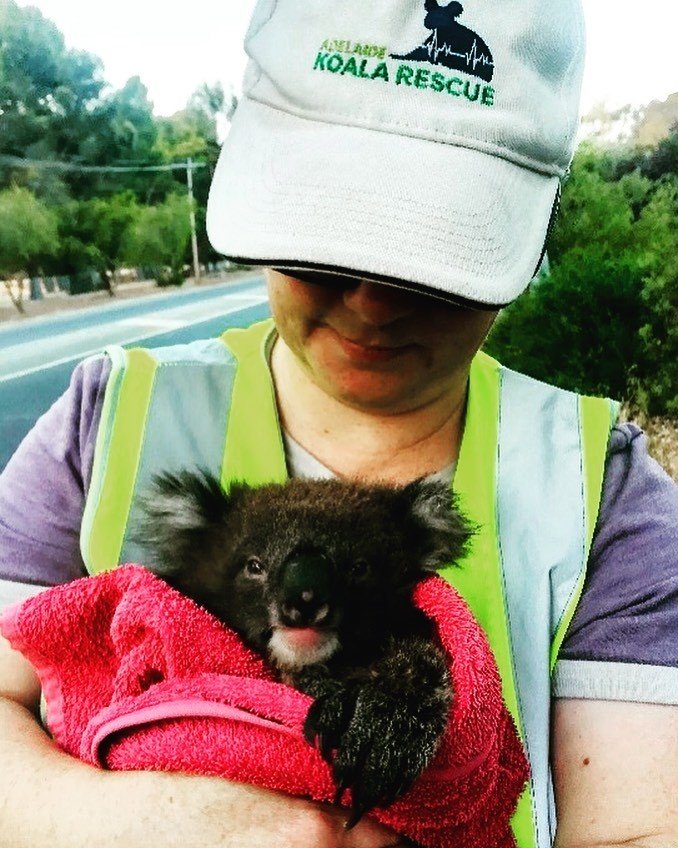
column 398, row 204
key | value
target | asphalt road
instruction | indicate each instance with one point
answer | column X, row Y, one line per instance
column 38, row 355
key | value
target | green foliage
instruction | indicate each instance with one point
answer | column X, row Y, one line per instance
column 54, row 107
column 28, row 233
column 46, row 94
column 160, row 236
column 656, row 389
column 663, row 159
column 91, row 234
column 605, row 320
column 578, row 328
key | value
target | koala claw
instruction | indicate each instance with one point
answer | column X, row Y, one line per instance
column 357, row 812
column 327, row 720
column 382, row 752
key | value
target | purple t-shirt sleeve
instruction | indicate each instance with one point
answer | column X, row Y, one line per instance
column 628, row 611
column 42, row 488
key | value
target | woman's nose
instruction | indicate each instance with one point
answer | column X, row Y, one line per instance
column 376, row 303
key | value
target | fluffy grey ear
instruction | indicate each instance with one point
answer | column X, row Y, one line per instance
column 446, row 532
column 176, row 513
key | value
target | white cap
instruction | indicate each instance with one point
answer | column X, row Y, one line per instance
column 407, row 141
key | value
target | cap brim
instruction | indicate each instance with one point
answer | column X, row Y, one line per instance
column 297, row 193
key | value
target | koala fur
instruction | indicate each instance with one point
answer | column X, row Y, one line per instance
column 317, row 576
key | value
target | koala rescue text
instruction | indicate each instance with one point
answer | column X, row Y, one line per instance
column 317, row 576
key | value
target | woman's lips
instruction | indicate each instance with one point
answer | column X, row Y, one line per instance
column 366, row 352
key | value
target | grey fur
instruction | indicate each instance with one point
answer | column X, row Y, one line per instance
column 318, row 575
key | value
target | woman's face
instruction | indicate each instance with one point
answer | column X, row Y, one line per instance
column 376, row 347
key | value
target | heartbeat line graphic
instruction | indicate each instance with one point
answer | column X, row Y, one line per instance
column 472, row 58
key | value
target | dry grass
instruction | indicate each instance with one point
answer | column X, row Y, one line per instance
column 662, row 436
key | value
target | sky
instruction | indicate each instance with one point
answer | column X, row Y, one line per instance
column 174, row 48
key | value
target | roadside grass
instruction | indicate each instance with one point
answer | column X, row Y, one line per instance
column 662, row 437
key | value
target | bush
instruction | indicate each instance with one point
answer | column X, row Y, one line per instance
column 605, row 319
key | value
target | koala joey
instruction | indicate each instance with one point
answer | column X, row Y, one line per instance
column 317, row 576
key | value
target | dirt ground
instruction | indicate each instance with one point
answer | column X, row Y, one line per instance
column 662, row 438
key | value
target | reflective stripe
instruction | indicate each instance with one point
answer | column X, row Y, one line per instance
column 479, row 579
column 254, row 449
column 541, row 524
column 195, row 383
column 167, row 429
column 101, row 449
column 596, row 417
column 120, row 465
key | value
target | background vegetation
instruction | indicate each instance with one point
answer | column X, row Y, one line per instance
column 603, row 319
column 60, row 217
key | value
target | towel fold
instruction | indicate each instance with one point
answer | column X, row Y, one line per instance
column 137, row 676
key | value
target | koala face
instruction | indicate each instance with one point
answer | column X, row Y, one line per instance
column 305, row 569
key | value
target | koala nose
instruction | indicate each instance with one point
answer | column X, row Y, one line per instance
column 306, row 591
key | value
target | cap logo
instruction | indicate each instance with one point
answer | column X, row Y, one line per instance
column 451, row 44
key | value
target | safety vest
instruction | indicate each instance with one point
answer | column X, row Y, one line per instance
column 529, row 475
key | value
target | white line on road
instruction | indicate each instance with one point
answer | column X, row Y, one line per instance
column 160, row 323
column 242, row 302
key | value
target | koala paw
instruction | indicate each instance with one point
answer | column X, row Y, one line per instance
column 376, row 745
column 379, row 731
column 385, row 748
column 327, row 720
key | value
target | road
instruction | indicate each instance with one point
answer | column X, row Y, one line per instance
column 38, row 355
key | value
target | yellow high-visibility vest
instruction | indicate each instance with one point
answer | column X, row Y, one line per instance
column 529, row 475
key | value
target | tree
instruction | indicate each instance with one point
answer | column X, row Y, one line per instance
column 663, row 159
column 160, row 236
column 92, row 233
column 605, row 319
column 126, row 135
column 195, row 131
column 27, row 235
column 46, row 95
column 592, row 209
column 656, row 389
column 579, row 328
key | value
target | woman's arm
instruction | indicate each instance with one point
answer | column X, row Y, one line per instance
column 48, row 799
column 615, row 767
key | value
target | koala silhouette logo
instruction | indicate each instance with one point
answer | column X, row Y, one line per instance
column 452, row 44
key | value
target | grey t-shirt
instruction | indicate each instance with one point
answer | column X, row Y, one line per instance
column 622, row 643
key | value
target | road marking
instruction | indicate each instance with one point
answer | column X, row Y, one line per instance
column 245, row 302
column 160, row 323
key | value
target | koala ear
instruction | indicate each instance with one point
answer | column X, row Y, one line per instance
column 177, row 512
column 446, row 532
column 430, row 5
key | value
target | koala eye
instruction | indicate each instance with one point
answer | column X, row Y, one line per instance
column 359, row 568
column 254, row 567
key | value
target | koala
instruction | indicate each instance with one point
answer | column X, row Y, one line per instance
column 317, row 576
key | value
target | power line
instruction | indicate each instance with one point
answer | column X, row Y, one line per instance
column 19, row 162
column 188, row 166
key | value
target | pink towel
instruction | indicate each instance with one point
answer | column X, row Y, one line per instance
column 136, row 676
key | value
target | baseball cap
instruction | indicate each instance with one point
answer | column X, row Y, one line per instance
column 411, row 142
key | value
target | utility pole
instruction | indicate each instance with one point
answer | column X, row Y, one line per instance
column 194, row 238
